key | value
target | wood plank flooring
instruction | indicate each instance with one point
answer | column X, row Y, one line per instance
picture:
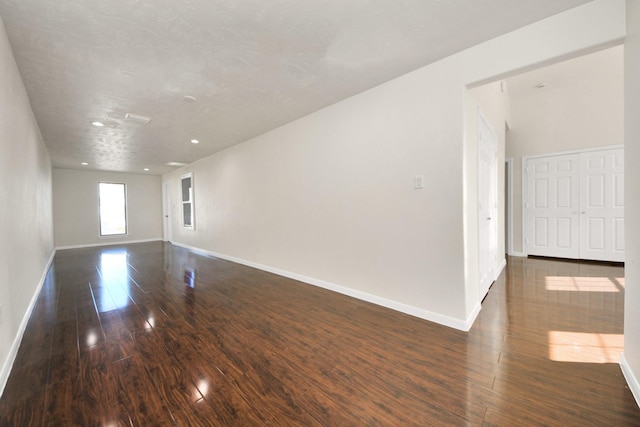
column 152, row 334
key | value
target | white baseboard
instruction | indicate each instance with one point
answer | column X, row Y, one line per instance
column 13, row 352
column 108, row 243
column 463, row 325
column 517, row 254
column 472, row 317
column 632, row 380
column 501, row 267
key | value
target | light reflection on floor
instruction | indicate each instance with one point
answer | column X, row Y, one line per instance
column 114, row 286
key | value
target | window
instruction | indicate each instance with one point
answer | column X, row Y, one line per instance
column 187, row 201
column 113, row 209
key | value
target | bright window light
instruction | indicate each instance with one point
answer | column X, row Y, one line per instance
column 187, row 201
column 113, row 209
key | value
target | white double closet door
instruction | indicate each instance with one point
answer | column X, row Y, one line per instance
column 574, row 205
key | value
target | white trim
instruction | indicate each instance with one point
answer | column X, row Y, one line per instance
column 191, row 202
column 632, row 380
column 523, row 202
column 509, row 203
column 463, row 325
column 121, row 242
column 500, row 268
column 472, row 317
column 576, row 151
column 518, row 254
column 13, row 352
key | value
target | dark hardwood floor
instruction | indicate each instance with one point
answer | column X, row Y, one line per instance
column 151, row 334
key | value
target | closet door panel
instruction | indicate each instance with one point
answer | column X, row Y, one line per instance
column 602, row 205
column 552, row 205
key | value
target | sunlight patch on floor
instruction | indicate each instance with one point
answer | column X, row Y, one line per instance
column 584, row 284
column 582, row 347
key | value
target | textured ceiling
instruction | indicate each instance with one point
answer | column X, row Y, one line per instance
column 251, row 65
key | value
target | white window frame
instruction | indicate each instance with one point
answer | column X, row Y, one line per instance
column 189, row 201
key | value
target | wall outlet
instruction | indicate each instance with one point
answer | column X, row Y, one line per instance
column 418, row 182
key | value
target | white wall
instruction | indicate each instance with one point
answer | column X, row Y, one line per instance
column 26, row 230
column 330, row 196
column 75, row 207
column 581, row 107
column 631, row 357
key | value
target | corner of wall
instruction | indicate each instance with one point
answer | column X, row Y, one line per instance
column 630, row 362
column 25, row 244
column 629, row 376
column 13, row 352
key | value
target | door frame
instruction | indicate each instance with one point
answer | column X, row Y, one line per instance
column 508, row 204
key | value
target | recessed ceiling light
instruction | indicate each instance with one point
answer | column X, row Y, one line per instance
column 175, row 164
column 84, row 164
column 146, row 169
column 97, row 124
column 194, row 141
column 190, row 98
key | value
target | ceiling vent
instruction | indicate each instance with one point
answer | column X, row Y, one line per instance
column 137, row 118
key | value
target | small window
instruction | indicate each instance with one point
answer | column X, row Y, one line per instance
column 113, row 209
column 187, row 201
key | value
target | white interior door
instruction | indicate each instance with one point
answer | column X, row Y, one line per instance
column 552, row 206
column 602, row 205
column 166, row 213
column 487, row 204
